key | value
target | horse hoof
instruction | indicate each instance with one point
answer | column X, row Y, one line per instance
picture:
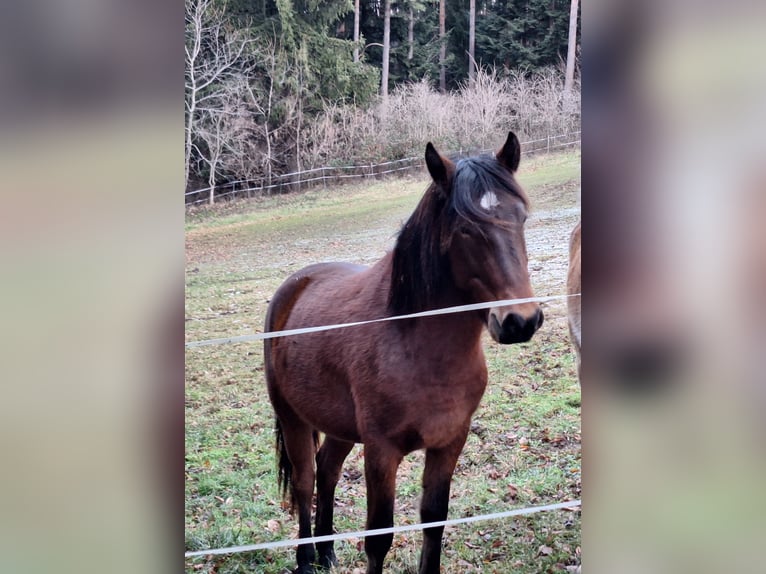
column 307, row 569
column 328, row 561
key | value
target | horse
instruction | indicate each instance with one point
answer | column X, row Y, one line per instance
column 402, row 385
column 574, row 287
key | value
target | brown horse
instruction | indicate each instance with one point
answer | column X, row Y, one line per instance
column 574, row 286
column 403, row 385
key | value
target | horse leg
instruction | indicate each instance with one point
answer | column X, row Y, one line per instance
column 380, row 464
column 329, row 464
column 299, row 442
column 437, row 476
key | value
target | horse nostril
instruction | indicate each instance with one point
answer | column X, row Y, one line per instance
column 515, row 328
column 513, row 322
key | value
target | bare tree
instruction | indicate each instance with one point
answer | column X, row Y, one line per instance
column 212, row 131
column 213, row 54
column 571, row 55
column 263, row 101
column 225, row 131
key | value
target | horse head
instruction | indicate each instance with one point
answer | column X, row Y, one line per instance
column 483, row 236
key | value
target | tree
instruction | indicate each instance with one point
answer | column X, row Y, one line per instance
column 571, row 55
column 315, row 38
column 414, row 42
column 523, row 34
column 218, row 129
column 356, row 30
column 212, row 53
column 471, row 41
column 411, row 35
column 263, row 97
column 442, row 46
column 386, row 48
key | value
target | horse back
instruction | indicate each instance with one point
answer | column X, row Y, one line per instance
column 284, row 301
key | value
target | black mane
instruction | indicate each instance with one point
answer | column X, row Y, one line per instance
column 420, row 265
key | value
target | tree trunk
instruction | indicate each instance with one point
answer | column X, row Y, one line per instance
column 211, row 176
column 442, row 46
column 471, row 41
column 356, row 30
column 386, row 48
column 411, row 35
column 569, row 75
column 188, row 143
column 266, row 126
column 299, row 127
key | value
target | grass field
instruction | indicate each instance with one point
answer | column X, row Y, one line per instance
column 524, row 445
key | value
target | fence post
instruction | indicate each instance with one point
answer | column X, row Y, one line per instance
column 548, row 137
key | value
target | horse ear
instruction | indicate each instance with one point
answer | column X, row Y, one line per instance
column 440, row 168
column 510, row 154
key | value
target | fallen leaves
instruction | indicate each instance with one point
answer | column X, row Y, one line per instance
column 559, row 439
column 545, row 550
column 273, row 526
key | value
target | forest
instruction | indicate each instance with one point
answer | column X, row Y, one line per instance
column 279, row 86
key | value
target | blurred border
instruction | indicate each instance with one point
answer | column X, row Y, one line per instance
column 675, row 262
column 91, row 266
column 91, row 419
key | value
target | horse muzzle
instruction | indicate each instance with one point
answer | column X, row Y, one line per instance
column 513, row 327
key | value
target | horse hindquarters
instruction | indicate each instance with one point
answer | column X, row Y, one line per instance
column 294, row 384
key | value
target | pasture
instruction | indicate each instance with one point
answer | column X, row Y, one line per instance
column 524, row 445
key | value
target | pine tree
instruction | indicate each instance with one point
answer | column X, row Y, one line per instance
column 307, row 34
column 528, row 33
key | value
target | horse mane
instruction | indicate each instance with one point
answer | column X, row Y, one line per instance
column 420, row 267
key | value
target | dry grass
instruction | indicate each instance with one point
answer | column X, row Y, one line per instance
column 531, row 104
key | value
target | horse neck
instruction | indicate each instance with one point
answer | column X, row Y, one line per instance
column 469, row 324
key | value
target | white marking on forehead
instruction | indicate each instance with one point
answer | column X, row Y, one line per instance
column 489, row 200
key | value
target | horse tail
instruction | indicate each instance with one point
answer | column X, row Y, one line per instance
column 276, row 318
column 284, row 466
